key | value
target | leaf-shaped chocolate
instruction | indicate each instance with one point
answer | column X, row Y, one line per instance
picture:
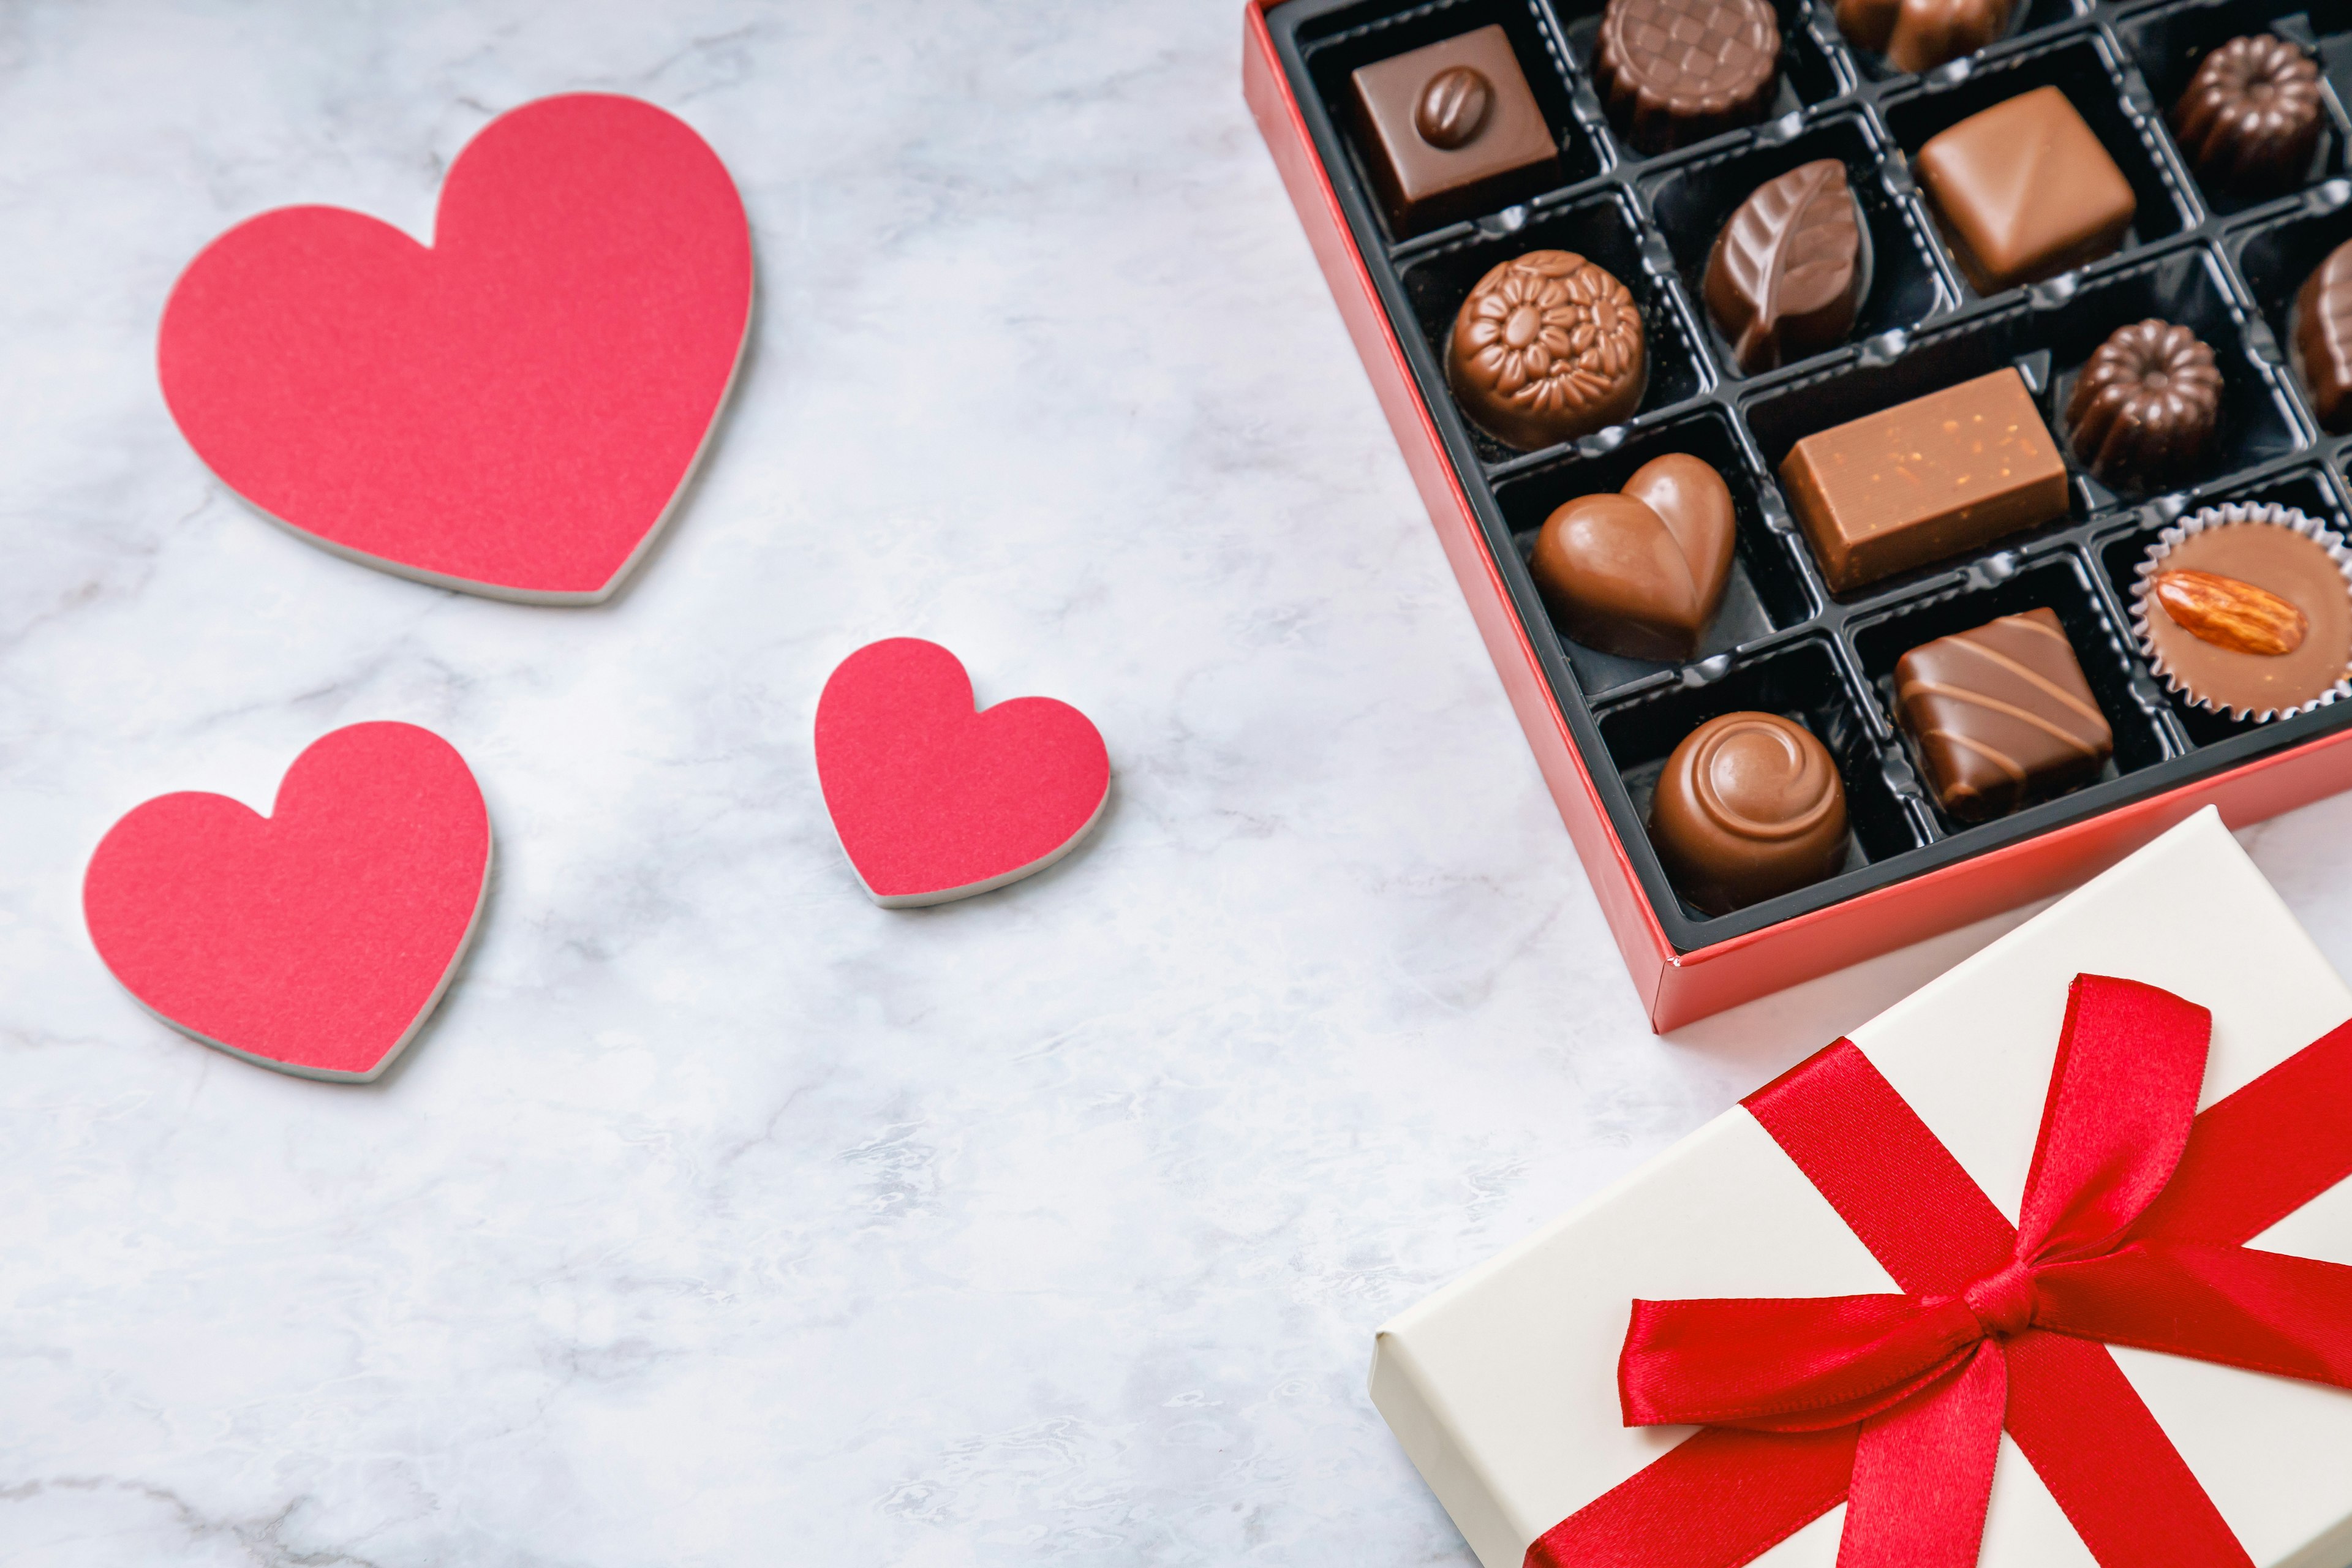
column 2323, row 338
column 1789, row 269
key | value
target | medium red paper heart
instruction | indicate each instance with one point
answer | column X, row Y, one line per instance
column 934, row 801
column 317, row 939
column 512, row 411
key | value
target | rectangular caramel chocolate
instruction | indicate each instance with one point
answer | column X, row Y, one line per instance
column 1950, row 471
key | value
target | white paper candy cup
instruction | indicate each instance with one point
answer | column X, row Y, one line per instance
column 2236, row 515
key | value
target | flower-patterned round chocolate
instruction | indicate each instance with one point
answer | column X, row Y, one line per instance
column 1750, row 806
column 2251, row 117
column 1547, row 348
column 2143, row 409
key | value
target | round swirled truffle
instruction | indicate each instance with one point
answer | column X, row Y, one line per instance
column 2251, row 115
column 1547, row 348
column 2144, row 409
column 1750, row 806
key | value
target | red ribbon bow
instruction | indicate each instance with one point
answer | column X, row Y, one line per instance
column 2131, row 1232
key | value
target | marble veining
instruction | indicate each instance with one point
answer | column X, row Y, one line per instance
column 721, row 1216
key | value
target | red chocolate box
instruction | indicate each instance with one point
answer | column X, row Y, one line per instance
column 1785, row 641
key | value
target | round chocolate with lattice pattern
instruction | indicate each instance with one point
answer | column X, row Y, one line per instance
column 1677, row 72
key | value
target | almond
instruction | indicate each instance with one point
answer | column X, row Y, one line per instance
column 2229, row 614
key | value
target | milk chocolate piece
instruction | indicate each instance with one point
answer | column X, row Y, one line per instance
column 1920, row 35
column 1673, row 73
column 1640, row 572
column 2251, row 117
column 2024, row 191
column 2001, row 715
column 1452, row 130
column 1789, row 272
column 1547, row 348
column 2323, row 338
column 1750, row 806
column 2187, row 633
column 1950, row 471
column 2144, row 409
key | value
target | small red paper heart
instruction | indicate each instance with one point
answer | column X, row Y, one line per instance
column 512, row 411
column 317, row 939
column 934, row 801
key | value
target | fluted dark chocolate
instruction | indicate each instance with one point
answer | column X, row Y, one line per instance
column 2251, row 117
column 2144, row 409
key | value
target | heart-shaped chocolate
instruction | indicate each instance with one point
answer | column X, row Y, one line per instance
column 1640, row 572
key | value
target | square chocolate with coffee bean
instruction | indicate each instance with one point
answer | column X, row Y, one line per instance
column 1453, row 129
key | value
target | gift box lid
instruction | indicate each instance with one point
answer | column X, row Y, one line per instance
column 1502, row 1387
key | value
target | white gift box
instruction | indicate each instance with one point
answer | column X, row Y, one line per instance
column 1502, row 1387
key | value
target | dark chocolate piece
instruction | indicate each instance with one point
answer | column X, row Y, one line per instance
column 2001, row 715
column 1547, row 348
column 2323, row 338
column 2202, row 633
column 1453, row 129
column 1789, row 272
column 1950, row 471
column 1673, row 73
column 1920, row 35
column 2143, row 409
column 2024, row 191
column 1640, row 572
column 2251, row 117
column 1750, row 806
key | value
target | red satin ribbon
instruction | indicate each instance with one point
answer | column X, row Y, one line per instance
column 2131, row 1232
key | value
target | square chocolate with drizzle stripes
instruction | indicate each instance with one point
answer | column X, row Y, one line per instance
column 2001, row 715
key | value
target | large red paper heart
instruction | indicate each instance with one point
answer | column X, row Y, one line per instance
column 512, row 411
column 316, row 938
column 934, row 801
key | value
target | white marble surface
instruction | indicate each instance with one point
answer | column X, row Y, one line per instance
column 721, row 1216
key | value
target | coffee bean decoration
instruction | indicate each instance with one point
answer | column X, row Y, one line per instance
column 1453, row 108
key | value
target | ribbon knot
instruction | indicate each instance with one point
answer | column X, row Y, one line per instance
column 2131, row 1231
column 2003, row 1302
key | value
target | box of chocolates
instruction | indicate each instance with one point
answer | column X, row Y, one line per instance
column 1895, row 451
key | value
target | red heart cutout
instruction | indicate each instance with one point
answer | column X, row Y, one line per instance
column 512, row 411
column 934, row 801
column 316, row 938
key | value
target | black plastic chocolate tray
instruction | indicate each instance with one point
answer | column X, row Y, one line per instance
column 2228, row 269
